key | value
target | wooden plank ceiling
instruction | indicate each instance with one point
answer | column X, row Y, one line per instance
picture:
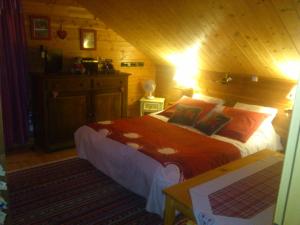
column 241, row 36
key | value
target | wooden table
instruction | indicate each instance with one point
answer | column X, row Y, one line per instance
column 178, row 197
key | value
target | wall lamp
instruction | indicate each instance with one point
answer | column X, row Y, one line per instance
column 291, row 97
column 226, row 79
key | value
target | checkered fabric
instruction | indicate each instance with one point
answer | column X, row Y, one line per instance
column 248, row 196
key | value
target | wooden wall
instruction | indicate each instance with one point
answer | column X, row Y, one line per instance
column 109, row 44
column 239, row 36
column 267, row 92
column 242, row 37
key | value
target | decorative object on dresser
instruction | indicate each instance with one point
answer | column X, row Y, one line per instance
column 106, row 66
column 91, row 65
column 54, row 61
column 40, row 27
column 62, row 103
column 77, row 66
column 151, row 105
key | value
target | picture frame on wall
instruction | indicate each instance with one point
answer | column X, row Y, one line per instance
column 88, row 39
column 40, row 27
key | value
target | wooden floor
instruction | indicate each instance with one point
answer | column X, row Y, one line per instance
column 28, row 157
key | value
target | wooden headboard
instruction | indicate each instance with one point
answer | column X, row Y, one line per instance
column 266, row 92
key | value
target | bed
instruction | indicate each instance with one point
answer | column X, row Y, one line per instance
column 147, row 175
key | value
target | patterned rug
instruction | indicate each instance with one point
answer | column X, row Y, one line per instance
column 73, row 192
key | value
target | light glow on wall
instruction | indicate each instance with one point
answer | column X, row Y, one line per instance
column 187, row 67
column 291, row 69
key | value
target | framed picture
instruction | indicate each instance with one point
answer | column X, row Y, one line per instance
column 40, row 28
column 88, row 39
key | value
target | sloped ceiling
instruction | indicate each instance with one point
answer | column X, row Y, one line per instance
column 241, row 36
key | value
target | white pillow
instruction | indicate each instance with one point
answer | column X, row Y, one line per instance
column 208, row 99
column 258, row 108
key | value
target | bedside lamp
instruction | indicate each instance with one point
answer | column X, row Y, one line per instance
column 149, row 87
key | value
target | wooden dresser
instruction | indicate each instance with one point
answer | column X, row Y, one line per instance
column 63, row 103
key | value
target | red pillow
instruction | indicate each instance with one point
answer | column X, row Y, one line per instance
column 205, row 106
column 242, row 125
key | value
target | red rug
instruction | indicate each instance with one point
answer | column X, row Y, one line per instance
column 73, row 192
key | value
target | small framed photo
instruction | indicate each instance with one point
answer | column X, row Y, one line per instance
column 88, row 39
column 40, row 27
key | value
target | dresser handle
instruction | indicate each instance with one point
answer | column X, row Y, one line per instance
column 122, row 89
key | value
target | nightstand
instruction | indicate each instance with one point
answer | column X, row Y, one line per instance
column 152, row 105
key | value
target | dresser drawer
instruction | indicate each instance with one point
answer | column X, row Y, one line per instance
column 69, row 84
column 108, row 82
column 153, row 106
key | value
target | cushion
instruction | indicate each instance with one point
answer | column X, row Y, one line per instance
column 210, row 99
column 257, row 108
column 243, row 123
column 188, row 101
column 185, row 115
column 212, row 123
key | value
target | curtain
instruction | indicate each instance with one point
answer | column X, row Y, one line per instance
column 13, row 72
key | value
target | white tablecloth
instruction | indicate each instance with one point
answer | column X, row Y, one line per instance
column 202, row 207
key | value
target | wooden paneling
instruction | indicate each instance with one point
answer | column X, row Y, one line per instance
column 243, row 37
column 267, row 92
column 72, row 16
column 238, row 36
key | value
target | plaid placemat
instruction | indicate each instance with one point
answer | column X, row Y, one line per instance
column 248, row 196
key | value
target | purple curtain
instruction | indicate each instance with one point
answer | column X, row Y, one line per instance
column 13, row 72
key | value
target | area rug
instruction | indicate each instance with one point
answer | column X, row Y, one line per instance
column 73, row 192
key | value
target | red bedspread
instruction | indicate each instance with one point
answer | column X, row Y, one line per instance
column 191, row 152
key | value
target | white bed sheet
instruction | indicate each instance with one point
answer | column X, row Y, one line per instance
column 143, row 175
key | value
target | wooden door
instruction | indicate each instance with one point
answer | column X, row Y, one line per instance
column 66, row 113
column 107, row 105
